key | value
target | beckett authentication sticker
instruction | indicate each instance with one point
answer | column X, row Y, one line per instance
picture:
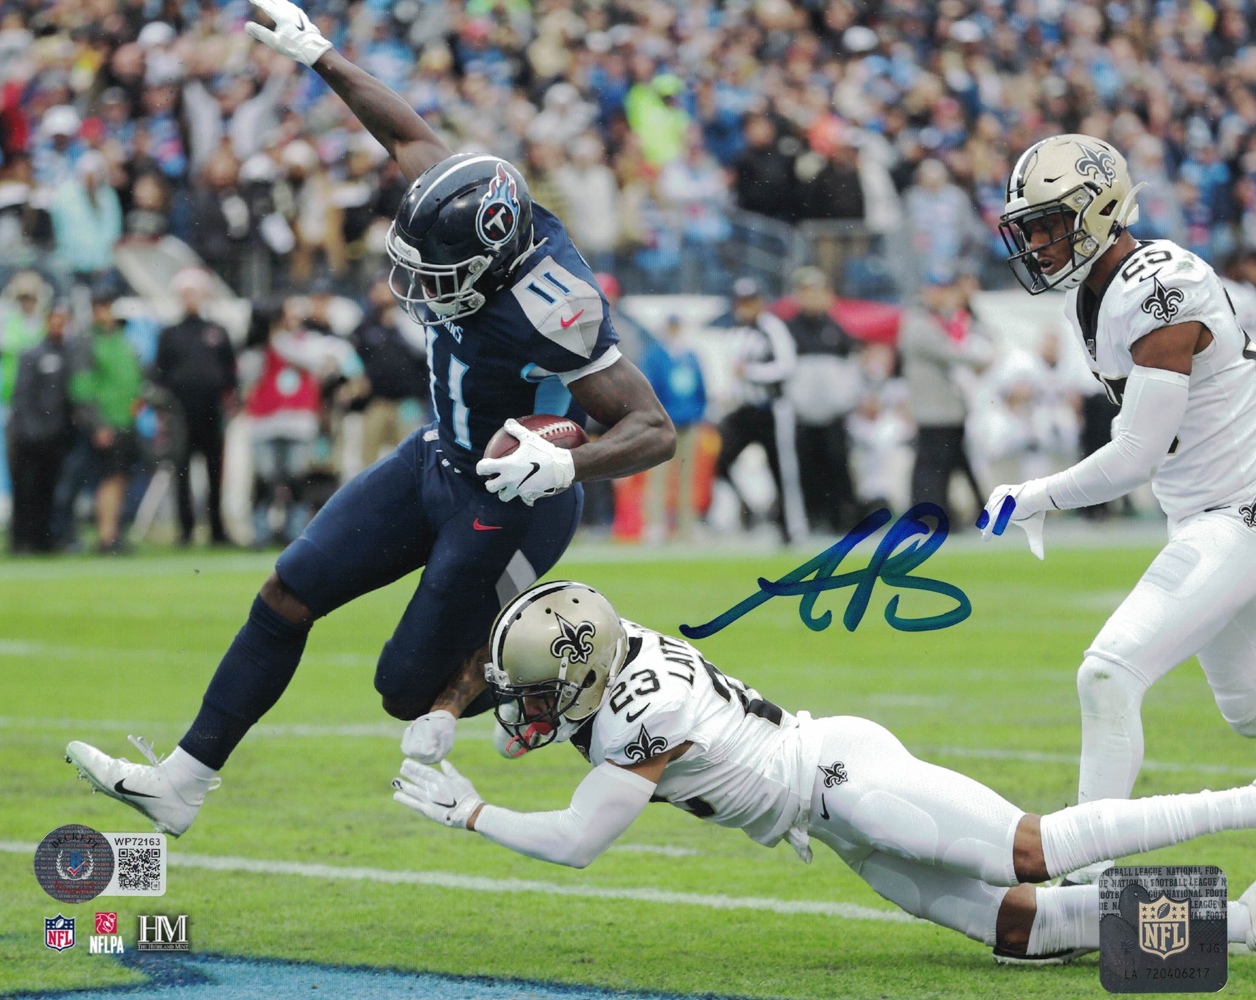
column 74, row 863
column 1162, row 929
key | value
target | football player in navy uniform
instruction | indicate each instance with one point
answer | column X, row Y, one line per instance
column 516, row 324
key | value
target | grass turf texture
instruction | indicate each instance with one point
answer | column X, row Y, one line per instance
column 136, row 640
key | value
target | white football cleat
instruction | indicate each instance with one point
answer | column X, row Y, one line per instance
column 144, row 787
column 1056, row 958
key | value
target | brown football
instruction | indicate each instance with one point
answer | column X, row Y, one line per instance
column 555, row 429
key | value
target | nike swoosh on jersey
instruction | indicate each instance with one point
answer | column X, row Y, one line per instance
column 121, row 789
column 824, row 810
column 631, row 717
column 564, row 323
column 485, row 527
column 536, row 467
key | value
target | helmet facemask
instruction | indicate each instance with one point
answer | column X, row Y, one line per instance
column 1085, row 248
column 448, row 290
column 544, row 720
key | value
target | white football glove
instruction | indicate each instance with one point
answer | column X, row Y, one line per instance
column 430, row 737
column 1025, row 506
column 533, row 470
column 294, row 34
column 444, row 795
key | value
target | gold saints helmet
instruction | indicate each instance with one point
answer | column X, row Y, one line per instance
column 1083, row 179
column 552, row 651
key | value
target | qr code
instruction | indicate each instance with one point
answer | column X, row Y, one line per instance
column 139, row 868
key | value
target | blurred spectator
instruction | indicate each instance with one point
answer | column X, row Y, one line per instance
column 695, row 192
column 765, row 172
column 937, row 340
column 824, row 389
column 196, row 363
column 396, row 371
column 765, row 361
column 87, row 219
column 673, row 371
column 284, row 405
column 105, row 390
column 56, row 146
column 221, row 220
column 881, row 432
column 654, row 114
column 942, row 226
column 593, row 199
column 22, row 324
column 39, row 434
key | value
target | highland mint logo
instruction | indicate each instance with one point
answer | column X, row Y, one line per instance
column 159, row 934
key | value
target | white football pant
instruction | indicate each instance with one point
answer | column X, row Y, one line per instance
column 1198, row 597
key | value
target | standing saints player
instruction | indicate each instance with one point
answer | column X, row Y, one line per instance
column 1162, row 336
column 659, row 722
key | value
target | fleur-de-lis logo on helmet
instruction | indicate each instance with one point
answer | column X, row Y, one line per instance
column 576, row 641
column 1248, row 510
column 1163, row 302
column 645, row 746
column 498, row 216
column 1097, row 164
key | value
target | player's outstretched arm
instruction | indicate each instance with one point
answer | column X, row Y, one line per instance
column 640, row 434
column 407, row 137
column 1151, row 412
column 604, row 805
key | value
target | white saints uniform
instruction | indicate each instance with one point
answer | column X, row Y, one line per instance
column 931, row 840
column 1199, row 595
column 748, row 756
column 1213, row 462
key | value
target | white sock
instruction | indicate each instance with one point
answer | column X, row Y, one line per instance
column 1067, row 917
column 1113, row 828
column 185, row 770
column 1239, row 920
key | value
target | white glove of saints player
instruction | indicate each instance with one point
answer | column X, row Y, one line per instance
column 1025, row 506
column 294, row 34
column 430, row 737
column 533, row 470
column 444, row 795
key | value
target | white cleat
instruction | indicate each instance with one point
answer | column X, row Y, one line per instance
column 1056, row 958
column 144, row 787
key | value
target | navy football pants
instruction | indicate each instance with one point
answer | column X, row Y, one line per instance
column 412, row 509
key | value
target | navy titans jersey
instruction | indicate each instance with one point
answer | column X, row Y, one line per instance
column 514, row 355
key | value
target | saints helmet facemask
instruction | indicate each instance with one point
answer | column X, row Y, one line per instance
column 552, row 651
column 460, row 232
column 1084, row 182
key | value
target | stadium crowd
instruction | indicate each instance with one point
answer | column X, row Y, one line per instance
column 668, row 136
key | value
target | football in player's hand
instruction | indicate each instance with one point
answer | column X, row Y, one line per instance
column 556, row 430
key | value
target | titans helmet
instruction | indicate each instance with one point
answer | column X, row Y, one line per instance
column 460, row 231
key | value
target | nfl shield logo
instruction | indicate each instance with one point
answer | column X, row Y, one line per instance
column 1163, row 926
column 59, row 932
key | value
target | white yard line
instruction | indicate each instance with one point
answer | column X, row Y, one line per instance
column 393, row 731
column 478, row 883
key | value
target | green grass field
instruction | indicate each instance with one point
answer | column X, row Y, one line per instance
column 98, row 649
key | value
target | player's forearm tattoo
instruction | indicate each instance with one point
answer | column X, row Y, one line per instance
column 464, row 685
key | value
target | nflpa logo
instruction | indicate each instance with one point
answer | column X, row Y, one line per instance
column 159, row 934
column 106, row 923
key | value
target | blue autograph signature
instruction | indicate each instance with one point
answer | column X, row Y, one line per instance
column 894, row 569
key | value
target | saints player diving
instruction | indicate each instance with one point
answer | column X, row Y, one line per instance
column 1161, row 334
column 516, row 324
column 661, row 723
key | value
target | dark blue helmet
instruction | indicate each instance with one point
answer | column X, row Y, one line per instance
column 461, row 229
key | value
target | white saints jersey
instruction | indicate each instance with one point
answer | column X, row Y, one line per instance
column 745, row 766
column 1212, row 462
